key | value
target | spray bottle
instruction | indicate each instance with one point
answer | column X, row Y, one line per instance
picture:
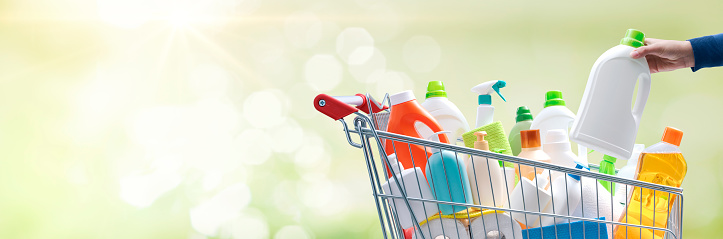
column 485, row 111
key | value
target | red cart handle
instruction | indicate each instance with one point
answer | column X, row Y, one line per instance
column 339, row 107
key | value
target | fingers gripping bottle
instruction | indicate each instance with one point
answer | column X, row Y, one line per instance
column 604, row 121
column 662, row 163
column 405, row 113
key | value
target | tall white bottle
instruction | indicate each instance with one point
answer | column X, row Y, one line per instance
column 485, row 110
column 444, row 111
column 485, row 177
column 559, row 150
column 605, row 121
column 554, row 116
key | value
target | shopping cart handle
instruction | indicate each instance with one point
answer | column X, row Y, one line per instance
column 332, row 107
column 364, row 106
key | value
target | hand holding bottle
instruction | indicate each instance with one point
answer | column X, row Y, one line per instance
column 665, row 55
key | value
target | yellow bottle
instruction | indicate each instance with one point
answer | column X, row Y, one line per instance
column 662, row 163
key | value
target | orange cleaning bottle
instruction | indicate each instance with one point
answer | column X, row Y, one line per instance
column 663, row 164
column 404, row 118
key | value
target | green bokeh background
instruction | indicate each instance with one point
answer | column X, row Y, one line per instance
column 90, row 95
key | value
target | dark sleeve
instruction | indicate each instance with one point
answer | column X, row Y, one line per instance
column 707, row 51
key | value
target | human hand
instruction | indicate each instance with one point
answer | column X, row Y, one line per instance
column 665, row 55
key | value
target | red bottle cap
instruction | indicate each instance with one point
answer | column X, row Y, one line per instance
column 672, row 136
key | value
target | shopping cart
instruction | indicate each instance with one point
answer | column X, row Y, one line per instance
column 368, row 133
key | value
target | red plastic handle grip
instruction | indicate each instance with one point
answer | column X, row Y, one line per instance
column 332, row 107
column 365, row 106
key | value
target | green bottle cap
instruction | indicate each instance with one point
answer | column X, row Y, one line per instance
column 523, row 113
column 633, row 38
column 610, row 159
column 553, row 98
column 436, row 89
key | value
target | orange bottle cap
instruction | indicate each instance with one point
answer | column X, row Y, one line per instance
column 530, row 138
column 672, row 136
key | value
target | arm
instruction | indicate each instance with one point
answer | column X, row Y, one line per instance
column 707, row 51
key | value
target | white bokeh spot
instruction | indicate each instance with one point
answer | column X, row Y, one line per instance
column 324, row 72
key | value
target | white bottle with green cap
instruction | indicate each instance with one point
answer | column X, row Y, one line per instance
column 485, row 110
column 605, row 121
column 554, row 116
column 444, row 111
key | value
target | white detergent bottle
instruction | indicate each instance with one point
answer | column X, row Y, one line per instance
column 445, row 112
column 554, row 116
column 558, row 148
column 605, row 122
column 485, row 110
column 628, row 171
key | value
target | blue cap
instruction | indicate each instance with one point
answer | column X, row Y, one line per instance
column 578, row 166
column 484, row 99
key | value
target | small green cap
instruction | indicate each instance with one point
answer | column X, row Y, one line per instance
column 610, row 159
column 553, row 98
column 484, row 99
column 523, row 113
column 436, row 89
column 633, row 38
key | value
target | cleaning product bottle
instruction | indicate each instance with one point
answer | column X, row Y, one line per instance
column 532, row 150
column 628, row 171
column 413, row 183
column 447, row 176
column 523, row 122
column 485, row 111
column 554, row 116
column 607, row 166
column 444, row 111
column 405, row 112
column 662, row 163
column 485, row 177
column 605, row 121
column 558, row 148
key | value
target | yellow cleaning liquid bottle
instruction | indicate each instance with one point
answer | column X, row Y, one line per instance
column 662, row 163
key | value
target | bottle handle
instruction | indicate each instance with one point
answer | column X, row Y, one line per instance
column 643, row 93
column 430, row 123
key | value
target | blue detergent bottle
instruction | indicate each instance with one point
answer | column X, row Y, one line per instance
column 447, row 177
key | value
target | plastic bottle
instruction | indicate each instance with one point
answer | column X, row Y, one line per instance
column 405, row 112
column 607, row 166
column 414, row 185
column 485, row 111
column 605, row 121
column 559, row 150
column 554, row 116
column 444, row 111
column 523, row 122
column 663, row 164
column 485, row 177
column 447, row 176
column 628, row 171
column 532, row 150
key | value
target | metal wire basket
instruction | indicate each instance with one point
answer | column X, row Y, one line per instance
column 396, row 203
